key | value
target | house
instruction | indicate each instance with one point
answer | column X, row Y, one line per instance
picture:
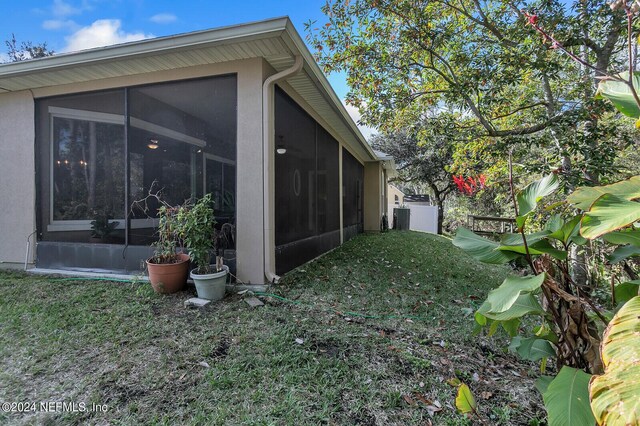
column 418, row 199
column 396, row 196
column 242, row 112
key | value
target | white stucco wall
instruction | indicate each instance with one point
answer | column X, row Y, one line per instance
column 17, row 171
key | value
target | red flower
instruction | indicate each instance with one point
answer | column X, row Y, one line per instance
column 469, row 186
column 532, row 18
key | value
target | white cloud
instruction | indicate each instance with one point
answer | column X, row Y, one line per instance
column 58, row 24
column 103, row 32
column 4, row 58
column 163, row 18
column 367, row 131
column 61, row 9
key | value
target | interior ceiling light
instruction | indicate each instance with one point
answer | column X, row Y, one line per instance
column 153, row 144
column 281, row 148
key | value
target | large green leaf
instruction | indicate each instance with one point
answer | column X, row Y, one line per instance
column 626, row 291
column 533, row 349
column 623, row 237
column 545, row 332
column 525, row 304
column 516, row 239
column 619, row 93
column 502, row 298
column 623, row 252
column 615, row 395
column 542, row 383
column 585, row 196
column 567, row 230
column 545, row 246
column 528, row 198
column 608, row 213
column 621, row 339
column 567, row 399
column 480, row 248
column 554, row 223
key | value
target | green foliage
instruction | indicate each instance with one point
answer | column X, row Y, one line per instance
column 619, row 93
column 198, row 229
column 482, row 249
column 583, row 197
column 529, row 197
column 566, row 398
column 170, row 233
column 622, row 253
column 614, row 395
column 413, row 64
column 623, row 237
column 102, row 226
column 502, row 298
column 531, row 348
column 626, row 291
column 525, row 304
column 608, row 213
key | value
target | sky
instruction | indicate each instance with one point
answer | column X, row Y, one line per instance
column 69, row 25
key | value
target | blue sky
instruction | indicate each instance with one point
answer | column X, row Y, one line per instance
column 68, row 25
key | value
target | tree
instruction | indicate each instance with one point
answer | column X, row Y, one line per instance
column 422, row 156
column 480, row 60
column 26, row 50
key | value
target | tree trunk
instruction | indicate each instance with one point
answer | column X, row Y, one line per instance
column 440, row 205
column 439, row 197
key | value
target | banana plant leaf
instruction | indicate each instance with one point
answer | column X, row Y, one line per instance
column 585, row 196
column 567, row 399
column 623, row 252
column 529, row 197
column 481, row 249
column 615, row 395
column 619, row 93
column 504, row 297
column 608, row 213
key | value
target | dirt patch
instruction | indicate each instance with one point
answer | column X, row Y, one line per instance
column 222, row 349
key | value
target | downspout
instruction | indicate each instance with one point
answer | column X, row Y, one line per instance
column 268, row 149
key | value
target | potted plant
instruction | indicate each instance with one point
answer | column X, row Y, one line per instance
column 168, row 268
column 201, row 237
column 101, row 228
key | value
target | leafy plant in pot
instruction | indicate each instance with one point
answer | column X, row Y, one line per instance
column 201, row 237
column 168, row 267
column 102, row 227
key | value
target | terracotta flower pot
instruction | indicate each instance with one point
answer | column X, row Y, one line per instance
column 169, row 277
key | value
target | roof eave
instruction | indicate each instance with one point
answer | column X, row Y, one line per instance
column 318, row 76
column 61, row 61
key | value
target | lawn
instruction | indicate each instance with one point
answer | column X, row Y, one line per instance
column 368, row 334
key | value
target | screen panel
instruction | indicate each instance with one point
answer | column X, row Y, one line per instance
column 307, row 186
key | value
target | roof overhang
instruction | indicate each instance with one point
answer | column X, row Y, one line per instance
column 275, row 40
column 388, row 163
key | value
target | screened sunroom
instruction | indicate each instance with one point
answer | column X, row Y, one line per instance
column 242, row 113
column 99, row 152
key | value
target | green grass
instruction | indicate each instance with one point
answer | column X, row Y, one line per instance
column 384, row 322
